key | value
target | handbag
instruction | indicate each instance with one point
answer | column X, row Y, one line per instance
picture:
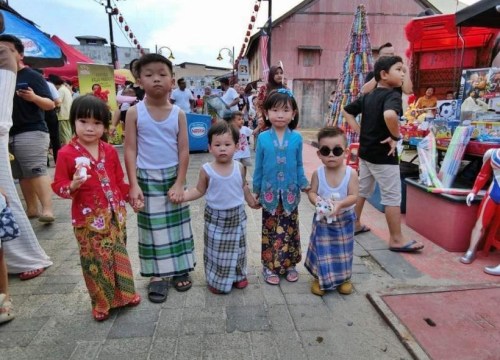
column 9, row 229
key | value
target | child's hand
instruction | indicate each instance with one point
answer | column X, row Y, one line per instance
column 139, row 205
column 176, row 193
column 136, row 198
column 77, row 180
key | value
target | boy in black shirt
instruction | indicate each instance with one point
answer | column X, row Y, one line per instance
column 378, row 137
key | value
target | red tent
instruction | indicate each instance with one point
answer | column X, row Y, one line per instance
column 69, row 71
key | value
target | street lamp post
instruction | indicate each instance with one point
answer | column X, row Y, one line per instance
column 231, row 57
column 158, row 51
column 109, row 11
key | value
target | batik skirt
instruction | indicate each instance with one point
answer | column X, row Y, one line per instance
column 225, row 247
column 166, row 246
column 280, row 240
column 330, row 252
column 106, row 267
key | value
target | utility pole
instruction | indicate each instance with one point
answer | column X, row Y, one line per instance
column 269, row 14
column 109, row 11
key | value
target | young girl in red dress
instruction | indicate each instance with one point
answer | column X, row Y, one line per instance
column 88, row 171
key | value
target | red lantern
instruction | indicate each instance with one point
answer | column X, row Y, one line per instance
column 135, row 41
column 139, row 47
column 256, row 7
column 246, row 39
column 250, row 26
column 126, row 28
column 131, row 35
column 248, row 33
column 120, row 18
column 115, row 11
column 142, row 51
column 252, row 18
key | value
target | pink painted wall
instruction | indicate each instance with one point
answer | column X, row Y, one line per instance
column 327, row 23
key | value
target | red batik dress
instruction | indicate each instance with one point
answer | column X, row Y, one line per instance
column 98, row 216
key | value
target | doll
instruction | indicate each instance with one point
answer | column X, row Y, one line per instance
column 489, row 206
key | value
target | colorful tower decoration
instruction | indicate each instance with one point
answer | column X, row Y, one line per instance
column 358, row 62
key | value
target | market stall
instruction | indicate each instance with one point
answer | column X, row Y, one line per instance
column 458, row 59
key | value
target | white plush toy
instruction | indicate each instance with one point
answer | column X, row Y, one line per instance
column 325, row 208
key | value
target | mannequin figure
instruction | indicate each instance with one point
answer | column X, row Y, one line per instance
column 489, row 206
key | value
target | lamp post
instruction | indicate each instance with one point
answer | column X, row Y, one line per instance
column 231, row 57
column 110, row 12
column 158, row 51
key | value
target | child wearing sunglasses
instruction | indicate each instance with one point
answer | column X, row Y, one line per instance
column 330, row 252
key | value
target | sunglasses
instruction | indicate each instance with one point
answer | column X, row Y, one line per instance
column 325, row 151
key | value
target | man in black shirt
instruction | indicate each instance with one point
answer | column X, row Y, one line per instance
column 378, row 137
column 388, row 50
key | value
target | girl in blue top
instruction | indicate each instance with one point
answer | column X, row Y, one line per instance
column 278, row 179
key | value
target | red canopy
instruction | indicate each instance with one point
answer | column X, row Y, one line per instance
column 69, row 71
column 439, row 32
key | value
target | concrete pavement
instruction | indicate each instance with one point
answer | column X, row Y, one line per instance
column 273, row 322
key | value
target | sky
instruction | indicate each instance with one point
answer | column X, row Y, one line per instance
column 195, row 30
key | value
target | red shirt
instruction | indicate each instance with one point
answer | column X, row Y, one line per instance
column 100, row 198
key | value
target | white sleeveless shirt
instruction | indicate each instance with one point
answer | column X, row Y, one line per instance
column 157, row 140
column 224, row 192
column 325, row 191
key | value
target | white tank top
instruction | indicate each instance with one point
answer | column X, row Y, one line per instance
column 224, row 192
column 325, row 191
column 157, row 140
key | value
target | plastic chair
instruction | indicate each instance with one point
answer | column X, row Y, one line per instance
column 353, row 158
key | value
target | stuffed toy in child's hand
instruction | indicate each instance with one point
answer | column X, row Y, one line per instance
column 325, row 209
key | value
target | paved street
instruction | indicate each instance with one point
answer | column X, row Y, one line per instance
column 260, row 322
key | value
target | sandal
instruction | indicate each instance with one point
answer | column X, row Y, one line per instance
column 179, row 280
column 158, row 291
column 215, row 291
column 136, row 300
column 6, row 309
column 30, row 274
column 99, row 316
column 270, row 277
column 241, row 284
column 291, row 274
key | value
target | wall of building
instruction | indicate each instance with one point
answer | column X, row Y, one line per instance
column 327, row 24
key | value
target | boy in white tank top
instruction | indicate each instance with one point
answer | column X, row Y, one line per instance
column 330, row 251
column 222, row 181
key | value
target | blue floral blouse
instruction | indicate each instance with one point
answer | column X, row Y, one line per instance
column 279, row 172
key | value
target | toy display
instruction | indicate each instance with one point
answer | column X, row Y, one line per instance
column 489, row 207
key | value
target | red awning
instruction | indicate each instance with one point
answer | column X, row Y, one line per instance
column 438, row 32
column 69, row 70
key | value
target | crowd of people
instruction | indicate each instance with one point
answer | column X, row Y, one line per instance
column 156, row 155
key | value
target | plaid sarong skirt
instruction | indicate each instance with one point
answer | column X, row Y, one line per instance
column 166, row 246
column 225, row 247
column 330, row 252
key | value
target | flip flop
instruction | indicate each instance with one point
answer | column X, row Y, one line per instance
column 158, row 291
column 178, row 280
column 363, row 229
column 6, row 310
column 270, row 277
column 31, row 274
column 291, row 275
column 241, row 284
column 99, row 316
column 407, row 248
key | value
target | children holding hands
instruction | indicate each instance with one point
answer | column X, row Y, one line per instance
column 222, row 181
column 330, row 252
